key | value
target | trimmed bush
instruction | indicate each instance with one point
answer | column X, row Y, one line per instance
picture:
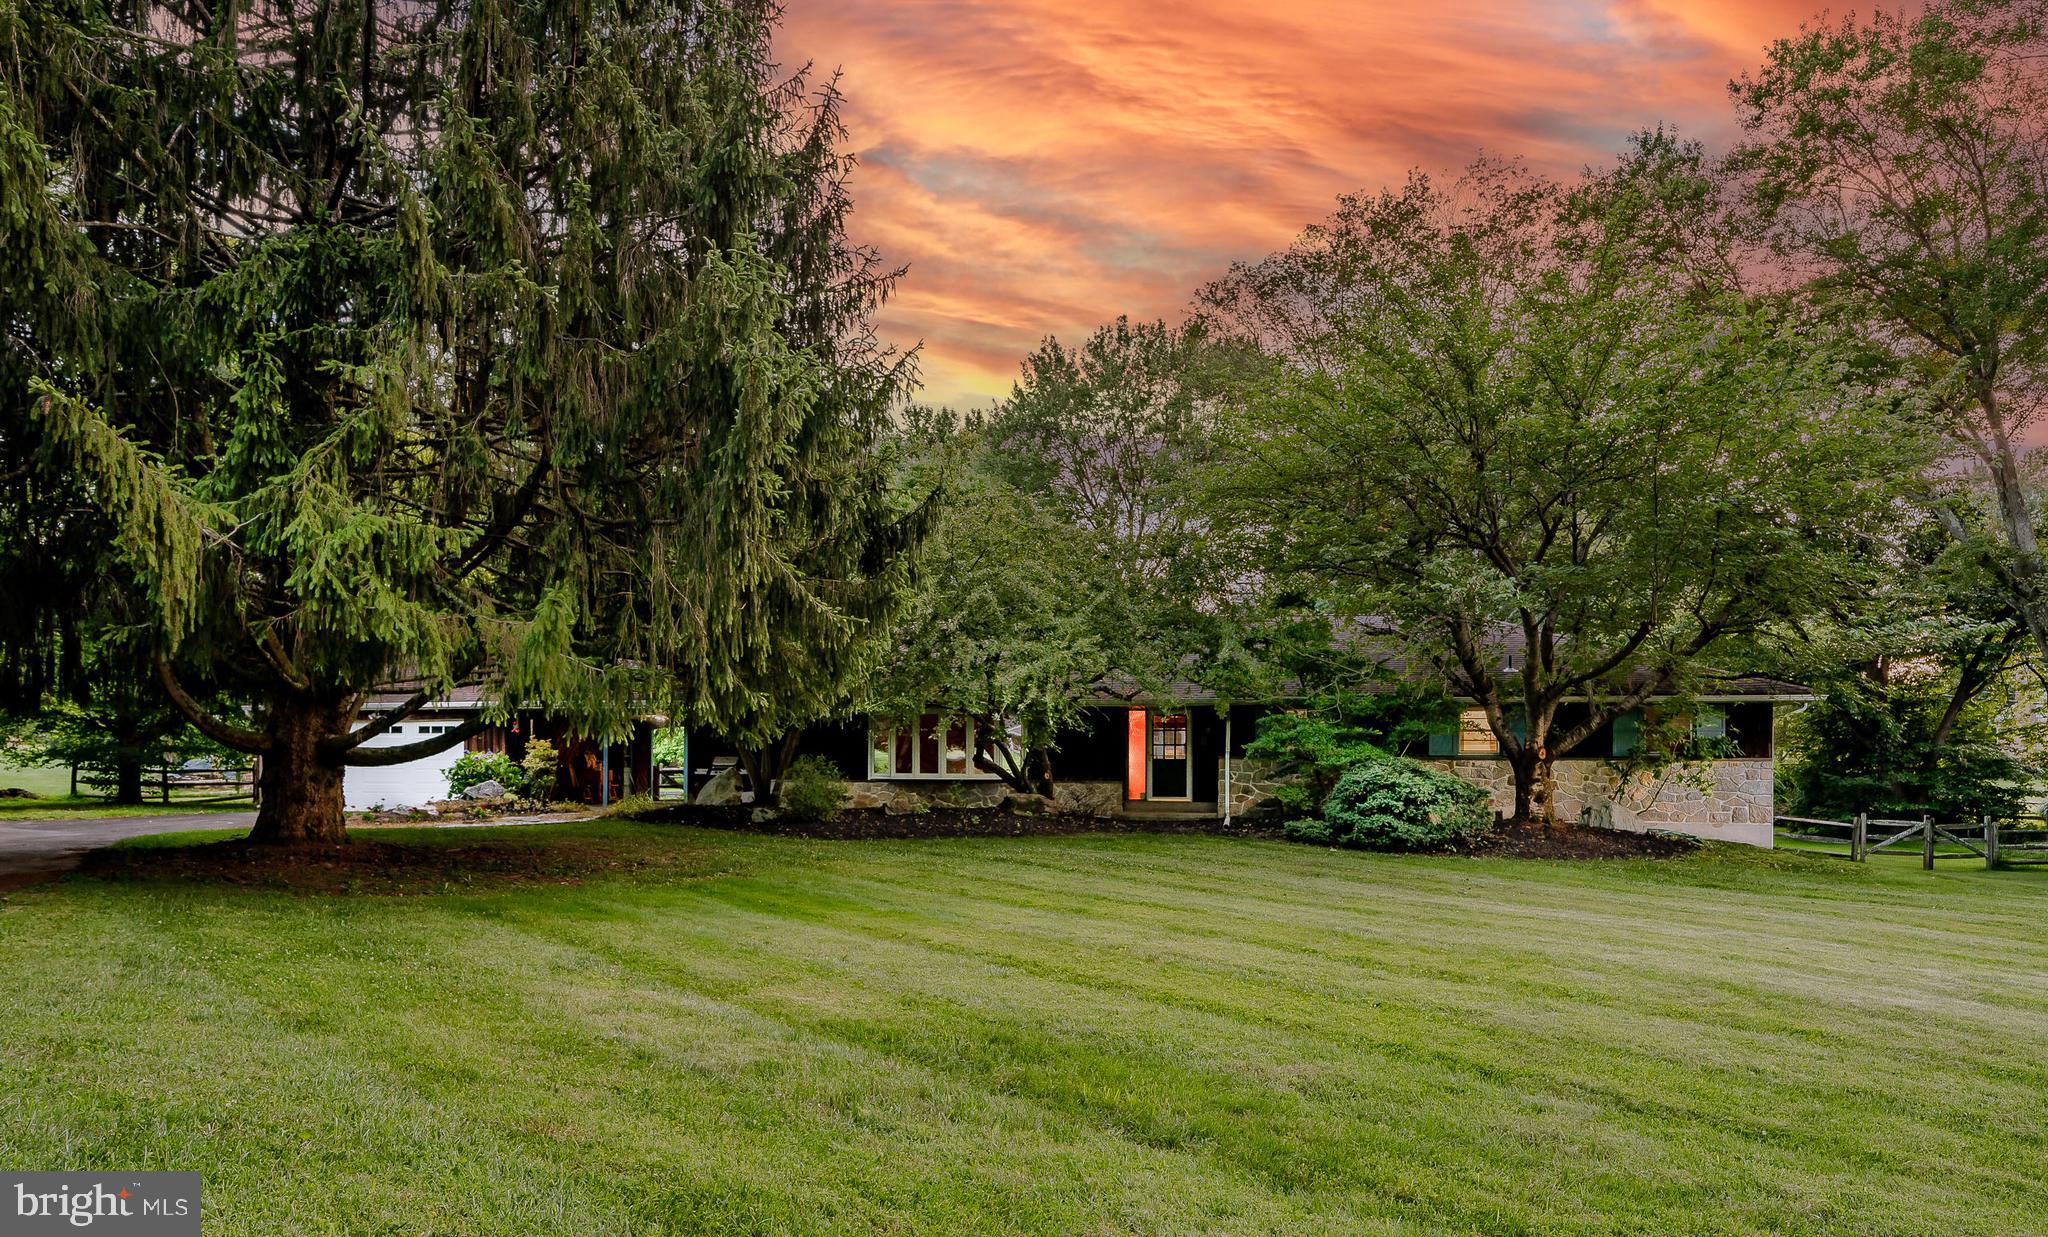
column 474, row 768
column 1397, row 804
column 1314, row 751
column 542, row 767
column 811, row 789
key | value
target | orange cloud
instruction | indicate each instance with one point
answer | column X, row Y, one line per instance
column 1044, row 165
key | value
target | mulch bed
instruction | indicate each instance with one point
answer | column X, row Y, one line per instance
column 864, row 824
column 364, row 866
column 1571, row 841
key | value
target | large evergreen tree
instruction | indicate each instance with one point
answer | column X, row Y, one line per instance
column 507, row 341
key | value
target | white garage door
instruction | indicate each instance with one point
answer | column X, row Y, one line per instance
column 395, row 786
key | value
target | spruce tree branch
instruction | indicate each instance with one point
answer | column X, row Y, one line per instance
column 240, row 738
column 376, row 757
column 273, row 651
column 515, row 511
column 412, row 704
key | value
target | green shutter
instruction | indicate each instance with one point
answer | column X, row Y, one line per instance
column 1628, row 733
column 1443, row 743
column 1518, row 725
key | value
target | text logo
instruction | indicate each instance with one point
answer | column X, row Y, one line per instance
column 110, row 1204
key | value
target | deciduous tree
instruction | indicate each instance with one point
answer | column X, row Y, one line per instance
column 1006, row 625
column 1898, row 163
column 1523, row 429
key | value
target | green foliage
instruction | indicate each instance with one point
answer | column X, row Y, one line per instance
column 541, row 768
column 1510, row 423
column 1316, row 750
column 517, row 344
column 1900, row 159
column 1340, row 730
column 810, row 789
column 671, row 746
column 1927, row 702
column 1007, row 626
column 1871, row 746
column 1397, row 804
column 474, row 768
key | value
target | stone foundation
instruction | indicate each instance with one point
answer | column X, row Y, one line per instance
column 1251, row 787
column 1727, row 800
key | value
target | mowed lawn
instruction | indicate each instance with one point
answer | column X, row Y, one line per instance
column 1086, row 1034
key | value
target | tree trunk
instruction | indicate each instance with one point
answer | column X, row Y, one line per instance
column 1039, row 772
column 128, row 776
column 127, row 758
column 767, row 764
column 302, row 803
column 1535, row 788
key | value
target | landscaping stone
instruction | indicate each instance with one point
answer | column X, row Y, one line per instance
column 486, row 790
column 722, row 790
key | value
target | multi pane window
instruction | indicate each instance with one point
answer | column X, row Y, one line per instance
column 934, row 746
column 1475, row 736
column 1170, row 736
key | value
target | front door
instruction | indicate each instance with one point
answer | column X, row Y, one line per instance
column 1171, row 762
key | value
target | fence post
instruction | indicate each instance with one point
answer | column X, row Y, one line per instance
column 1990, row 841
column 1859, row 838
column 1927, row 843
column 164, row 776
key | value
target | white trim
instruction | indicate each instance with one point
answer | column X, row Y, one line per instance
column 1187, row 717
column 1227, row 800
column 970, row 774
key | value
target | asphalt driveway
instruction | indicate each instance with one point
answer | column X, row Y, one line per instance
column 32, row 849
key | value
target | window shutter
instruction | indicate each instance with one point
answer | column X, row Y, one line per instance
column 1628, row 733
column 1443, row 743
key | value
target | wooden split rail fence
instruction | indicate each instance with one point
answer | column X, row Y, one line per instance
column 1998, row 843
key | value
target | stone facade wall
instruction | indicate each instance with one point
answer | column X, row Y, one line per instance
column 1727, row 800
column 1251, row 787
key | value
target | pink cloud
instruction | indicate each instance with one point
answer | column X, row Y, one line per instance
column 1044, row 165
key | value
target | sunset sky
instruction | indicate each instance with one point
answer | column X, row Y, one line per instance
column 1044, row 165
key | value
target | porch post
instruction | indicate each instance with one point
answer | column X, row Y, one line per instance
column 1227, row 797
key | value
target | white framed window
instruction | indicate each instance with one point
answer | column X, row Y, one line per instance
column 933, row 746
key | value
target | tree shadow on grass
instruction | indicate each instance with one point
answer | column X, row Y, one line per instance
column 399, row 868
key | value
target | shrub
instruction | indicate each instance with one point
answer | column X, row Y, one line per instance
column 1316, row 750
column 541, row 767
column 811, row 789
column 474, row 768
column 1396, row 804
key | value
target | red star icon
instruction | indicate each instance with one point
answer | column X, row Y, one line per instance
column 124, row 1194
